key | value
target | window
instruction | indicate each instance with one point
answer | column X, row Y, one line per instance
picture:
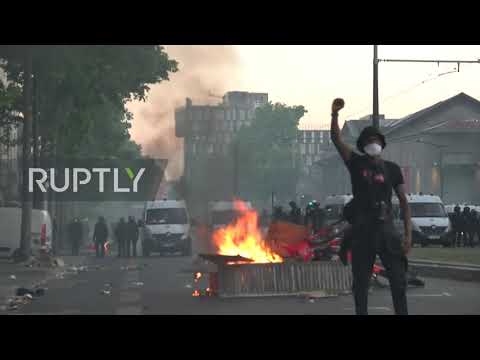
column 427, row 210
column 223, row 217
column 166, row 216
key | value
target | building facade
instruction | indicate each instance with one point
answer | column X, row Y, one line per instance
column 437, row 149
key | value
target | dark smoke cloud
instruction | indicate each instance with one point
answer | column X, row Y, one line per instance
column 203, row 71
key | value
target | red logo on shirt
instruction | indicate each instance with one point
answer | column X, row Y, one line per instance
column 379, row 178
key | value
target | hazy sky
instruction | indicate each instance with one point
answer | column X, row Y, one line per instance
column 300, row 75
column 313, row 75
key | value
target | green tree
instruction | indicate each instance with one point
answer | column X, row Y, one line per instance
column 77, row 95
column 266, row 160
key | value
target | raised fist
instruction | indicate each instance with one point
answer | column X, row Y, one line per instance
column 337, row 105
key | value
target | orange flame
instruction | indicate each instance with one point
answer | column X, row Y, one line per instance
column 197, row 276
column 196, row 293
column 244, row 238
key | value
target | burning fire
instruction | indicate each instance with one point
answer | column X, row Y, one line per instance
column 196, row 293
column 197, row 276
column 244, row 238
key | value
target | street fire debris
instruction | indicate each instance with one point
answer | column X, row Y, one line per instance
column 244, row 238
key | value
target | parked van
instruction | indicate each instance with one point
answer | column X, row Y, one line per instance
column 430, row 221
column 222, row 213
column 167, row 228
column 10, row 230
column 334, row 205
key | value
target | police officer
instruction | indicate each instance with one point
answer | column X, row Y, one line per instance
column 314, row 215
column 466, row 226
column 120, row 234
column 295, row 215
column 75, row 231
column 471, row 220
column 132, row 236
column 100, row 235
column 474, row 226
column 477, row 226
column 456, row 225
column 373, row 231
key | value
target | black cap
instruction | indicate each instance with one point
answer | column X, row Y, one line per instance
column 368, row 132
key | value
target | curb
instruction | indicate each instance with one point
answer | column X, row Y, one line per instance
column 459, row 272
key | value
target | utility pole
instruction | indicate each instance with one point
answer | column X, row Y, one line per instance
column 375, row 115
column 376, row 60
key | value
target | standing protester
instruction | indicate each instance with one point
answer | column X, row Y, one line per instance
column 75, row 235
column 132, row 236
column 120, row 234
column 457, row 226
column 374, row 233
column 100, row 236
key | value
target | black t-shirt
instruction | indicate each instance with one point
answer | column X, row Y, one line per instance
column 372, row 182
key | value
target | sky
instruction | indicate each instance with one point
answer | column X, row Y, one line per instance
column 314, row 75
column 311, row 76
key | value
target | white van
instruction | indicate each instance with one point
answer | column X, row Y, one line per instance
column 334, row 205
column 222, row 213
column 10, row 226
column 167, row 228
column 430, row 221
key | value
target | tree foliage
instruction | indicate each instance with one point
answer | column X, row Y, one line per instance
column 81, row 92
column 267, row 162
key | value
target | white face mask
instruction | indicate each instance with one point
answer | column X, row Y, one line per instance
column 373, row 149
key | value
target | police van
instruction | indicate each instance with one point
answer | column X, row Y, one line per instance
column 167, row 228
column 10, row 225
column 222, row 213
column 334, row 205
column 430, row 221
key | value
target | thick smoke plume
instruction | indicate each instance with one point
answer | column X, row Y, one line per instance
column 205, row 74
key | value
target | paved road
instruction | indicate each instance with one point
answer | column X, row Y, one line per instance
column 165, row 290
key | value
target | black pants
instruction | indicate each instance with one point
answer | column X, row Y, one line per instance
column 128, row 243
column 75, row 247
column 368, row 241
column 121, row 248
column 460, row 237
column 134, row 248
column 100, row 249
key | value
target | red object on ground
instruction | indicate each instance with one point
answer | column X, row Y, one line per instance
column 302, row 249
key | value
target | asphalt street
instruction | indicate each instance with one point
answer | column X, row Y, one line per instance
column 163, row 285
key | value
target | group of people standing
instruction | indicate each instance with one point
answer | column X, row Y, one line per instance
column 126, row 234
column 466, row 224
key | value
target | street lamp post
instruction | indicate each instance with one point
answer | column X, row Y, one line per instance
column 375, row 115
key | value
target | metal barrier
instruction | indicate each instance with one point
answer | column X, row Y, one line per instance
column 287, row 278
